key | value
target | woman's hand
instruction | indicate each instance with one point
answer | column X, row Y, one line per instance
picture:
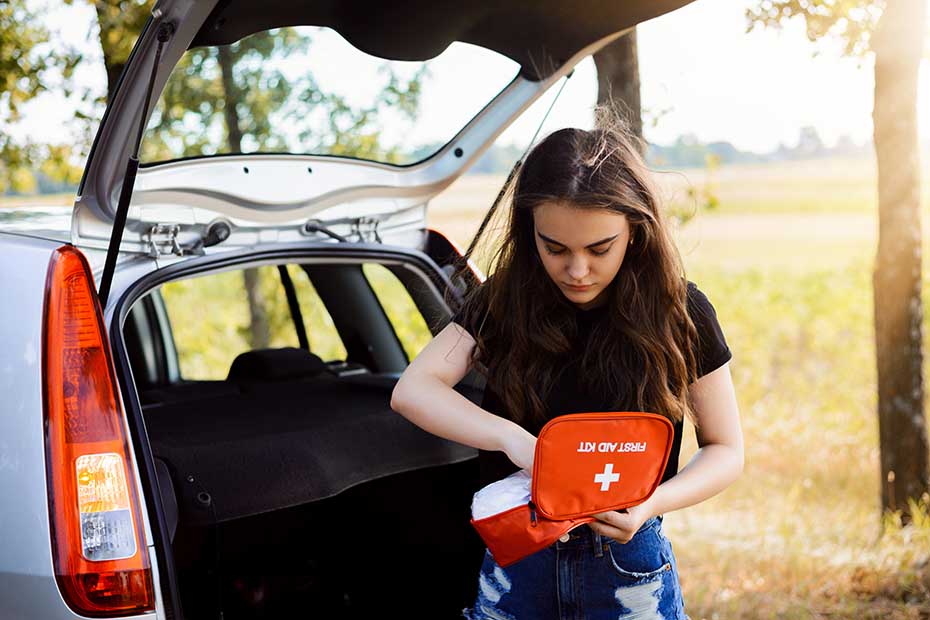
column 623, row 525
column 520, row 447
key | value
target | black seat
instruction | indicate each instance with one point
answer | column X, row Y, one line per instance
column 288, row 363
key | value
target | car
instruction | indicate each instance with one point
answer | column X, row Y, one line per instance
column 158, row 459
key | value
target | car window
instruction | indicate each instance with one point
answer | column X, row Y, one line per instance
column 321, row 331
column 213, row 320
column 402, row 312
column 307, row 90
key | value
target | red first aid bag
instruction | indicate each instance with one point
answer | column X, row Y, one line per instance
column 585, row 463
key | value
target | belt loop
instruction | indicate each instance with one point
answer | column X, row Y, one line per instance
column 596, row 541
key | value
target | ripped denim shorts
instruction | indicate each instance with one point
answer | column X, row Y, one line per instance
column 587, row 577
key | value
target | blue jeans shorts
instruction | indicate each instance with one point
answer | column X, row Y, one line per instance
column 588, row 577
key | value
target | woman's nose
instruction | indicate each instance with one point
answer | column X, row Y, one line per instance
column 577, row 268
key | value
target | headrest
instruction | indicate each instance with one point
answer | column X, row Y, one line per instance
column 275, row 365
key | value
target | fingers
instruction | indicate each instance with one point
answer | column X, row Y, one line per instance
column 617, row 534
column 614, row 518
column 614, row 524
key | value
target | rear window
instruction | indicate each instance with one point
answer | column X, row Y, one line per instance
column 307, row 90
column 213, row 319
column 401, row 310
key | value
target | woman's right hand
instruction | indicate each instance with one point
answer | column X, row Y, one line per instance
column 520, row 447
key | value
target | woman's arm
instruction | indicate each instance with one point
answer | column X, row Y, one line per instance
column 715, row 466
column 719, row 461
column 424, row 395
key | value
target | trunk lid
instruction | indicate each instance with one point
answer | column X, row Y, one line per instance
column 186, row 205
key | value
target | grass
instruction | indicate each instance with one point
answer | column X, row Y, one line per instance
column 39, row 200
column 799, row 535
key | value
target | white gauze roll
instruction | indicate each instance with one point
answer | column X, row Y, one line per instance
column 506, row 493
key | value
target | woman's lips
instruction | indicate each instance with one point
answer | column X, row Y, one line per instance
column 579, row 288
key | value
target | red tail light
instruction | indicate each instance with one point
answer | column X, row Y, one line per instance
column 101, row 562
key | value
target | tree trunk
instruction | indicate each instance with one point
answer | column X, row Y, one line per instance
column 260, row 330
column 231, row 98
column 898, row 44
column 618, row 80
column 258, row 317
column 113, row 69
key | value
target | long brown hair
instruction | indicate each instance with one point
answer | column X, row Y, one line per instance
column 643, row 353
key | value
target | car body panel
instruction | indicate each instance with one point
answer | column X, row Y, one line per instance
column 28, row 588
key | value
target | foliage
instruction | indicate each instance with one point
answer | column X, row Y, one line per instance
column 27, row 67
column 192, row 117
column 119, row 23
column 408, row 323
column 852, row 21
column 189, row 119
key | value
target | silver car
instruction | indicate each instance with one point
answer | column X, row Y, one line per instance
column 151, row 465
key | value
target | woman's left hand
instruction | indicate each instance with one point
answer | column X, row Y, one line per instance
column 622, row 525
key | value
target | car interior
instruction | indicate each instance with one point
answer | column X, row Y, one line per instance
column 287, row 480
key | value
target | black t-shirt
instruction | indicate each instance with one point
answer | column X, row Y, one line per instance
column 567, row 395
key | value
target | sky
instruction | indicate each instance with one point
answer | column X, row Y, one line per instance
column 701, row 74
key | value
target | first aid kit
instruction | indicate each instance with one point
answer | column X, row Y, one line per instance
column 584, row 463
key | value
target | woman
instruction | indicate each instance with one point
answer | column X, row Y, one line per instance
column 586, row 309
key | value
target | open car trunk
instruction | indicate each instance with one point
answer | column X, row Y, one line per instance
column 291, row 489
column 301, row 494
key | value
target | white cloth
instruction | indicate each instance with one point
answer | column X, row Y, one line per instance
column 506, row 493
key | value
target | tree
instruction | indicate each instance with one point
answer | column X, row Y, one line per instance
column 618, row 85
column 809, row 142
column 894, row 33
column 119, row 23
column 618, row 80
column 26, row 69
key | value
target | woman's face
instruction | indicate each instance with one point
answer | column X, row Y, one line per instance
column 581, row 248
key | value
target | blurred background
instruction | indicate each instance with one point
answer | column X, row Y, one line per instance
column 791, row 143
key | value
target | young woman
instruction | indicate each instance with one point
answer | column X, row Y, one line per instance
column 587, row 308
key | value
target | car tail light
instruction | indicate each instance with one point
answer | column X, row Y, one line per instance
column 101, row 562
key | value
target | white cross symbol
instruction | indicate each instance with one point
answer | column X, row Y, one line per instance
column 607, row 476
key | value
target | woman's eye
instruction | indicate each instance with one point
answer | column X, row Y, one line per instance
column 551, row 251
column 602, row 252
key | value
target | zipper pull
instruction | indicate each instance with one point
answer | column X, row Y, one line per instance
column 532, row 514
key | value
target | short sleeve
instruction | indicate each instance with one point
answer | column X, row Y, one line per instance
column 459, row 318
column 713, row 351
column 468, row 319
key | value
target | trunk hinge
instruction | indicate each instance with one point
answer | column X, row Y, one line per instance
column 162, row 240
column 366, row 229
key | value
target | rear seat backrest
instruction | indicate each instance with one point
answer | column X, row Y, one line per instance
column 263, row 365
